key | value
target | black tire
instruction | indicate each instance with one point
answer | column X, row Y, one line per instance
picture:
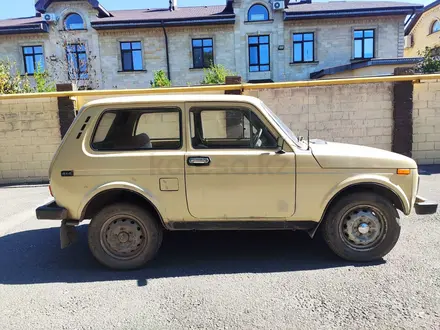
column 337, row 234
column 138, row 226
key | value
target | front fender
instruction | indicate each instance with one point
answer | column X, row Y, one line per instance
column 368, row 179
column 358, row 180
column 147, row 194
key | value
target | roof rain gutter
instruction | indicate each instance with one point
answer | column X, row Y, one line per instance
column 348, row 13
column 35, row 28
column 151, row 24
column 166, row 50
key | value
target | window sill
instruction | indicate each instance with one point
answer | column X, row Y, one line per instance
column 198, row 69
column 304, row 63
column 259, row 22
column 132, row 71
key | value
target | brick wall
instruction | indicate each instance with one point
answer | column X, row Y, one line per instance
column 426, row 122
column 337, row 34
column 359, row 114
column 29, row 136
column 333, row 46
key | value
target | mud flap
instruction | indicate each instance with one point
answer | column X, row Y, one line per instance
column 68, row 234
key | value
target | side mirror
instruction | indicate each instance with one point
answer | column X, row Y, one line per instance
column 280, row 149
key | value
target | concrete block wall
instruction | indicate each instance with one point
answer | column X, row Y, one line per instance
column 359, row 114
column 426, row 122
column 29, row 136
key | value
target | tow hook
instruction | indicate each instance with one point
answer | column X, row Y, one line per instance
column 68, row 234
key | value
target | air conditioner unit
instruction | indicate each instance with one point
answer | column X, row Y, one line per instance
column 49, row 17
column 278, row 5
column 408, row 41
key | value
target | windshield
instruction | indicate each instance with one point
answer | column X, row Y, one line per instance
column 280, row 123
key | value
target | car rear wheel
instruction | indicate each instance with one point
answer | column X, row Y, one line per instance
column 124, row 236
column 361, row 227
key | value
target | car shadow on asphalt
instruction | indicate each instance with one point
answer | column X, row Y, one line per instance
column 35, row 256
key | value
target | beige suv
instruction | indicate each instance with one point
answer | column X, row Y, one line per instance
column 137, row 166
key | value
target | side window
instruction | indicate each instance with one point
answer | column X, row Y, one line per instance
column 104, row 126
column 139, row 129
column 229, row 129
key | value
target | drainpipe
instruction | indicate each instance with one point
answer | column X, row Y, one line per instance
column 166, row 50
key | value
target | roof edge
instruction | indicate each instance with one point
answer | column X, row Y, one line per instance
column 363, row 64
column 412, row 23
column 41, row 6
column 23, row 29
column 123, row 24
column 386, row 11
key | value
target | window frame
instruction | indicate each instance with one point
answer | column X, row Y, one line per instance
column 258, row 53
column 433, row 25
column 77, row 53
column 259, row 20
column 200, row 109
column 203, row 52
column 69, row 15
column 123, row 51
column 302, row 46
column 33, row 58
column 140, row 110
column 363, row 38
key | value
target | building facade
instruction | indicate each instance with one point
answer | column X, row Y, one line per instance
column 260, row 40
column 423, row 30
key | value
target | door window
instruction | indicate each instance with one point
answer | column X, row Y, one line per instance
column 138, row 130
column 229, row 128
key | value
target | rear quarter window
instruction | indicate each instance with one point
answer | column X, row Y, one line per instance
column 138, row 129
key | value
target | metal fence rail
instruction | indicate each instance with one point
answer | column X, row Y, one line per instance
column 242, row 87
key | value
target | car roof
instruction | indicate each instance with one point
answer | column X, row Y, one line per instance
column 178, row 98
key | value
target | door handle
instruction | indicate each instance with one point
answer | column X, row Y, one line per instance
column 199, row 161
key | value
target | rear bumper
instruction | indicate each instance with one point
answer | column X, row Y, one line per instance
column 51, row 211
column 423, row 206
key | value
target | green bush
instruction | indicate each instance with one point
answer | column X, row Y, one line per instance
column 216, row 74
column 11, row 82
column 160, row 80
column 431, row 60
column 42, row 81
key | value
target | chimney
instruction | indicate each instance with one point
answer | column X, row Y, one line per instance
column 173, row 5
column 37, row 12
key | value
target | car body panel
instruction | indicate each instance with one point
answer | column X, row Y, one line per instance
column 247, row 185
column 236, row 183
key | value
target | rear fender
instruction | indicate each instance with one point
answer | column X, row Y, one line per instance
column 118, row 185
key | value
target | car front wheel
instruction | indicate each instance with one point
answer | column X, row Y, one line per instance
column 361, row 227
column 124, row 236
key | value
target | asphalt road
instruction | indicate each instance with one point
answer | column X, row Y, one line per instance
column 256, row 280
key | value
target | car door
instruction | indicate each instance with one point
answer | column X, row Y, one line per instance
column 233, row 167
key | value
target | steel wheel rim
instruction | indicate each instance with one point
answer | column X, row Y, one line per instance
column 362, row 227
column 123, row 237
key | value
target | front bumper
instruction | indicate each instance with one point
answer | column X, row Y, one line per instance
column 423, row 206
column 51, row 211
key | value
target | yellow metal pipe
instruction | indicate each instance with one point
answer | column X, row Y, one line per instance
column 212, row 88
